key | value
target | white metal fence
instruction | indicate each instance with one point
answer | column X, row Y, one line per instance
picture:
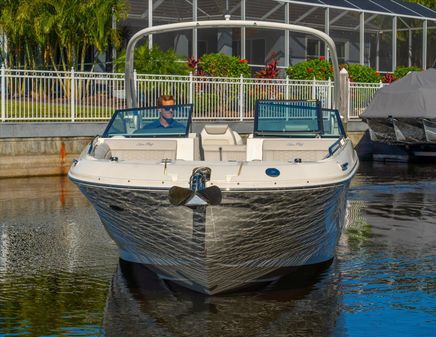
column 359, row 96
column 29, row 95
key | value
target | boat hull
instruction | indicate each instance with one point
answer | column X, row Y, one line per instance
column 402, row 130
column 252, row 236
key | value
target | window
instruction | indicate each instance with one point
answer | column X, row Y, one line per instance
column 201, row 48
column 313, row 48
column 236, row 48
column 256, row 51
column 340, row 48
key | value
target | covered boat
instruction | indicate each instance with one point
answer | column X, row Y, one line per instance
column 209, row 211
column 405, row 111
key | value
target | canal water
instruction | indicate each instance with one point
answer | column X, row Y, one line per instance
column 60, row 274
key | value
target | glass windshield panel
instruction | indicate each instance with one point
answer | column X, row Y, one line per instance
column 168, row 121
column 332, row 123
column 287, row 117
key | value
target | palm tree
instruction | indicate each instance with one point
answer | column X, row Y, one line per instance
column 53, row 30
column 10, row 28
column 102, row 34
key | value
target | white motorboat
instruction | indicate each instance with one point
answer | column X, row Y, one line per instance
column 209, row 211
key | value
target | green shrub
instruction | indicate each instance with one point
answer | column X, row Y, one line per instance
column 403, row 71
column 307, row 70
column 155, row 61
column 320, row 69
column 360, row 73
column 221, row 65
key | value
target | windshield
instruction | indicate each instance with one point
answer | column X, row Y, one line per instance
column 332, row 123
column 167, row 121
column 296, row 119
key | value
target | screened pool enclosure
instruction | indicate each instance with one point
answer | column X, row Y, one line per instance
column 382, row 34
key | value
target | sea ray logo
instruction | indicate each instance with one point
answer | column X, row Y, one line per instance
column 145, row 144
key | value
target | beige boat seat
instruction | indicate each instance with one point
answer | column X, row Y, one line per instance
column 142, row 149
column 220, row 142
column 290, row 149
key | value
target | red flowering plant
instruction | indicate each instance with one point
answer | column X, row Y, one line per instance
column 320, row 69
column 220, row 65
column 270, row 71
column 192, row 62
column 399, row 73
column 388, row 78
column 195, row 67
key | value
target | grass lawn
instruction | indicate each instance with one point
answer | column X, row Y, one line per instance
column 32, row 112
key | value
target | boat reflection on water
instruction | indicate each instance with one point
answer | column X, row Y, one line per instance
column 305, row 303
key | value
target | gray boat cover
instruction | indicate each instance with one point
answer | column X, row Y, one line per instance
column 413, row 96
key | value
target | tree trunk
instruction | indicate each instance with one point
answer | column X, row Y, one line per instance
column 83, row 56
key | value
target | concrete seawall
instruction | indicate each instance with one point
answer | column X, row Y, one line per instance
column 26, row 157
column 42, row 149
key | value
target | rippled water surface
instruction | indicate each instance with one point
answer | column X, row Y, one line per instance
column 60, row 273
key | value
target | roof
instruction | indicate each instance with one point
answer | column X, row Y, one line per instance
column 382, row 7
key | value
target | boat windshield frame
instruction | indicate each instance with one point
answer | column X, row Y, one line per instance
column 337, row 114
column 309, row 111
column 159, row 132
